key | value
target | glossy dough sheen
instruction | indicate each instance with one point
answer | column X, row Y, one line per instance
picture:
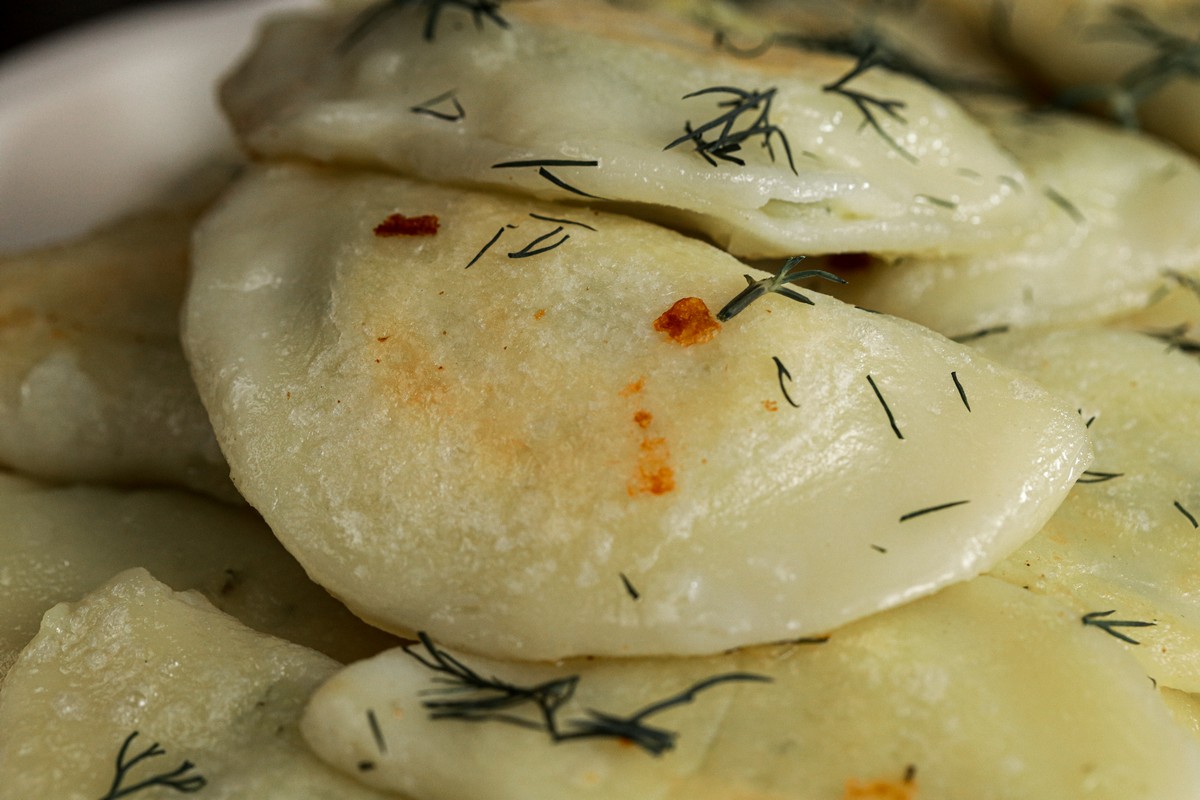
column 985, row 691
column 592, row 82
column 93, row 385
column 1129, row 544
column 1133, row 61
column 1118, row 210
column 134, row 656
column 60, row 543
column 487, row 453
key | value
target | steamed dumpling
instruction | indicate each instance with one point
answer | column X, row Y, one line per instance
column 983, row 691
column 1127, row 538
column 93, row 385
column 60, row 543
column 134, row 665
column 1118, row 212
column 520, row 428
column 581, row 100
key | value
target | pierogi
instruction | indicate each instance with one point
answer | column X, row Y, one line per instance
column 791, row 152
column 60, row 543
column 983, row 691
column 520, row 428
column 1135, row 62
column 1126, row 539
column 138, row 688
column 1118, row 212
column 93, row 385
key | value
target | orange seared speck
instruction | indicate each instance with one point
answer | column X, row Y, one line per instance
column 541, row 312
column 633, row 388
column 688, row 322
column 881, row 790
column 654, row 474
column 770, row 405
column 643, row 419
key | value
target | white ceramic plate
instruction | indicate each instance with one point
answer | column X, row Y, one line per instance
column 100, row 120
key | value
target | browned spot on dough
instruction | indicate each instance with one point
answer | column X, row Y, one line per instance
column 770, row 405
column 541, row 312
column 633, row 388
column 654, row 474
column 881, row 790
column 400, row 225
column 382, row 338
column 643, row 419
column 688, row 322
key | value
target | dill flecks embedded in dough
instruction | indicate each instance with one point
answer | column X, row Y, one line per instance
column 476, row 433
column 1133, row 61
column 794, row 151
column 137, row 686
column 1118, row 212
column 983, row 691
column 1124, row 545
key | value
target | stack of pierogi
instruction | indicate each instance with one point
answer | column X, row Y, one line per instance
column 647, row 399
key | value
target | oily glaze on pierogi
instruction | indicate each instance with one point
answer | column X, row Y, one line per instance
column 93, row 384
column 518, row 426
column 580, row 101
column 1127, row 538
column 982, row 691
column 171, row 689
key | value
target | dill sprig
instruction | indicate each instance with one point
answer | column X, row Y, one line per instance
column 782, row 372
column 1174, row 57
column 430, row 107
column 1099, row 619
column 867, row 105
column 931, row 509
column 728, row 140
column 1177, row 339
column 175, row 779
column 633, row 728
column 466, row 695
column 774, row 283
column 855, row 43
column 481, row 11
column 1095, row 476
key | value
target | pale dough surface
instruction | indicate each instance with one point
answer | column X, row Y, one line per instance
column 60, row 543
column 984, row 690
column 1118, row 212
column 1134, row 61
column 93, row 385
column 133, row 656
column 489, row 453
column 589, row 81
column 1127, row 544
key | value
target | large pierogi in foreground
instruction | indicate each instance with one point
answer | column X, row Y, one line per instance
column 518, row 426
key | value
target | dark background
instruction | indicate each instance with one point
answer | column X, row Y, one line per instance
column 29, row 20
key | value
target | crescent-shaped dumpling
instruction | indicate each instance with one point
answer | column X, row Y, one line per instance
column 136, row 691
column 1135, row 62
column 1127, row 538
column 518, row 425
column 93, row 385
column 61, row 542
column 792, row 152
column 983, row 691
column 1118, row 214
